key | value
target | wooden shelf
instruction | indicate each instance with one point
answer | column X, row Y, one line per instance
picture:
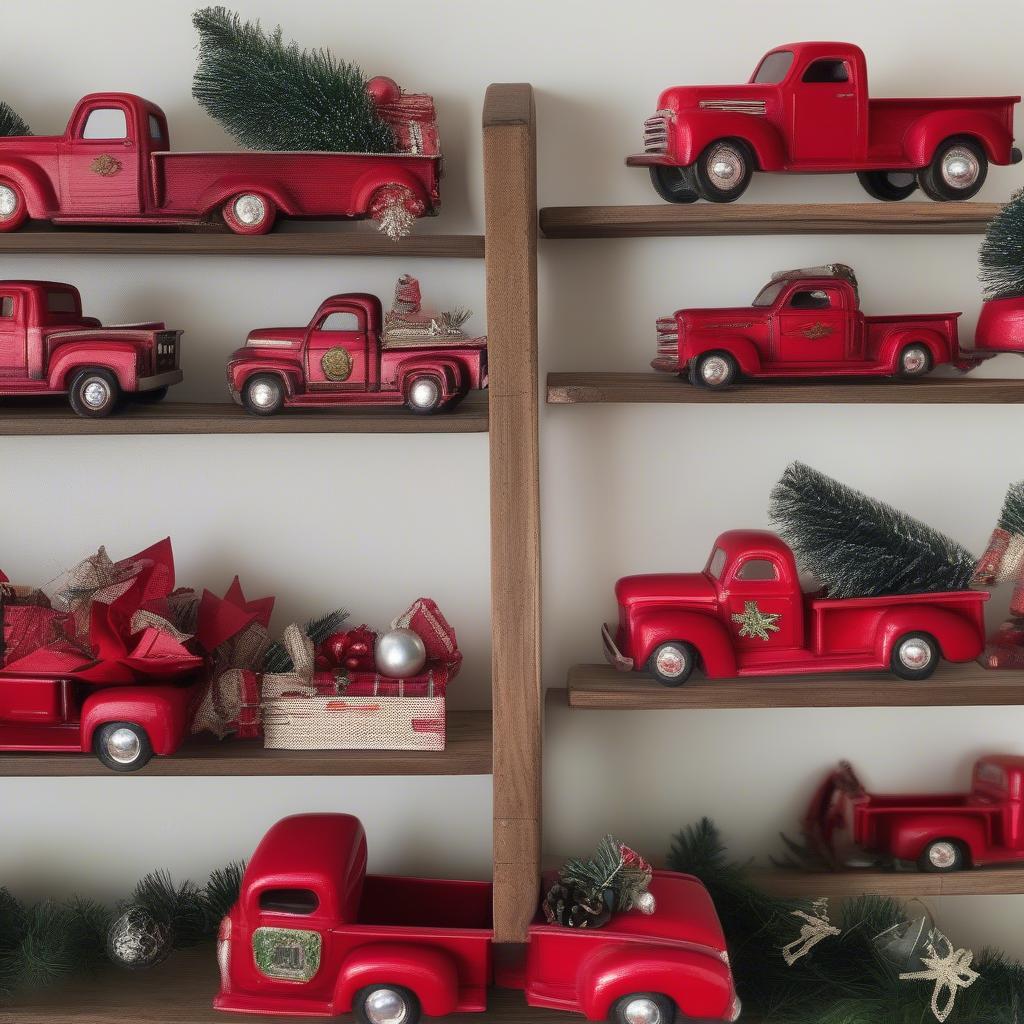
column 659, row 388
column 969, row 685
column 468, row 753
column 900, row 884
column 766, row 219
column 290, row 240
column 19, row 417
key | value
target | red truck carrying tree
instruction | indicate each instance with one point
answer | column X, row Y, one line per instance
column 806, row 108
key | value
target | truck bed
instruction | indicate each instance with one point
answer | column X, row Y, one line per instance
column 393, row 901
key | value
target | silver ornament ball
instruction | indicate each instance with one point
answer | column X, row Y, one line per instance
column 400, row 653
column 646, row 903
column 137, row 940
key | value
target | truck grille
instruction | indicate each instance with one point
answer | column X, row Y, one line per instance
column 668, row 338
column 656, row 132
column 166, row 351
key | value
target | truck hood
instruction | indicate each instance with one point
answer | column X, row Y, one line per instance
column 721, row 318
column 677, row 587
column 275, row 337
column 744, row 99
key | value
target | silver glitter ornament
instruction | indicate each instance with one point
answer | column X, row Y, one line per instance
column 400, row 653
column 137, row 940
column 646, row 903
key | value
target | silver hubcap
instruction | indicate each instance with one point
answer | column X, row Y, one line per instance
column 96, row 393
column 642, row 1011
column 671, row 662
column 915, row 653
column 960, row 167
column 263, row 395
column 725, row 167
column 424, row 394
column 385, row 1006
column 123, row 746
column 914, row 360
column 942, row 855
column 714, row 370
column 249, row 209
column 8, row 201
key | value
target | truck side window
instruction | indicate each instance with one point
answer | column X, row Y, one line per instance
column 340, row 321
column 289, row 901
column 757, row 570
column 815, row 298
column 7, row 307
column 827, row 71
column 106, row 123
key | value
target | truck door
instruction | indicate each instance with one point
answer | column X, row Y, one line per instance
column 811, row 326
column 764, row 611
column 826, row 126
column 13, row 340
column 338, row 352
column 101, row 160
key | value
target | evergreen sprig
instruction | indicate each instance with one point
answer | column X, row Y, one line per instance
column 857, row 546
column 272, row 95
column 1001, row 256
column 277, row 658
column 11, row 122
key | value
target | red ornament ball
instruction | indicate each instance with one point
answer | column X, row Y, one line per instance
column 383, row 90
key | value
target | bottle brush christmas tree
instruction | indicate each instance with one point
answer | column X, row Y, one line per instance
column 1001, row 257
column 11, row 122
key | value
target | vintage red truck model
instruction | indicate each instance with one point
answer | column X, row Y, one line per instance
column 313, row 935
column 937, row 831
column 48, row 347
column 806, row 109
column 113, row 165
column 747, row 615
column 349, row 355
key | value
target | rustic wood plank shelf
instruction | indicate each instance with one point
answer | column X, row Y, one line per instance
column 765, row 219
column 968, row 685
column 468, row 753
column 662, row 388
column 900, row 884
column 44, row 240
column 18, row 417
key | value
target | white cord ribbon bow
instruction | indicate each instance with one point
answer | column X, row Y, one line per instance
column 950, row 970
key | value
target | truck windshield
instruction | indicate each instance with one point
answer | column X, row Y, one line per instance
column 716, row 564
column 768, row 294
column 773, row 68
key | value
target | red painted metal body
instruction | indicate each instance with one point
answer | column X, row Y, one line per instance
column 793, row 120
column 45, row 339
column 987, row 822
column 343, row 931
column 113, row 165
column 377, row 374
column 808, row 632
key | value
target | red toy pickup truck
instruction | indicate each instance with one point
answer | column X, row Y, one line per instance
column 313, row 935
column 746, row 615
column 937, row 831
column 47, row 347
column 113, row 166
column 806, row 109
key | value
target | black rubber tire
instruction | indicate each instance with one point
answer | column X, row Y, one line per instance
column 665, row 1005
column 151, row 397
column 270, row 379
column 926, row 367
column 961, row 861
column 424, row 410
column 413, row 1011
column 81, row 380
column 936, row 187
column 707, row 188
column 674, row 184
column 99, row 746
column 690, row 662
column 732, row 371
column 899, row 669
column 879, row 185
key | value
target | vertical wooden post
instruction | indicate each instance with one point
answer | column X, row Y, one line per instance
column 510, row 198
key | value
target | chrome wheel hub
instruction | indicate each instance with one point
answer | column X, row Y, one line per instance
column 671, row 662
column 249, row 209
column 914, row 360
column 424, row 394
column 714, row 370
column 915, row 654
column 960, row 167
column 942, row 855
column 263, row 395
column 96, row 394
column 725, row 167
column 123, row 746
column 642, row 1011
column 8, row 201
column 385, row 1006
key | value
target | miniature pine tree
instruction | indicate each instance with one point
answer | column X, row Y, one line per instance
column 1011, row 518
column 11, row 122
column 614, row 868
column 1001, row 256
column 318, row 630
column 272, row 95
column 859, row 547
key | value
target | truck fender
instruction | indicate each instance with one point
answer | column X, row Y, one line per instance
column 288, row 372
column 910, row 834
column 958, row 637
column 224, row 188
column 371, row 181
column 163, row 711
column 121, row 358
column 40, row 198
column 696, row 129
column 741, row 349
column 705, row 633
column 897, row 338
column 925, row 134
column 450, row 371
column 430, row 973
column 697, row 980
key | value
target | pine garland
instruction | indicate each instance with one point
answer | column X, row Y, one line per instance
column 277, row 658
column 1001, row 256
column 272, row 95
column 857, row 546
column 11, row 122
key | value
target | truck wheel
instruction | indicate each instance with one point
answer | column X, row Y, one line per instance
column 423, row 394
column 386, row 1004
column 643, row 1008
column 672, row 662
column 942, row 855
column 715, row 370
column 957, row 171
column 249, row 213
column 915, row 361
column 263, row 394
column 94, row 392
column 915, row 656
column 13, row 210
column 122, row 746
column 889, row 186
column 675, row 184
column 723, row 170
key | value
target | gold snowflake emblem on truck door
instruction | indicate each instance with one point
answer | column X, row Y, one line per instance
column 756, row 623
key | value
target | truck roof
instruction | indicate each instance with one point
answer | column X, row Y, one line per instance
column 1009, row 762
column 139, row 104
column 24, row 283
column 824, row 48
column 739, row 542
column 833, row 271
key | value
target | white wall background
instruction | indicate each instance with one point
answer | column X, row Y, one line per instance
column 357, row 520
